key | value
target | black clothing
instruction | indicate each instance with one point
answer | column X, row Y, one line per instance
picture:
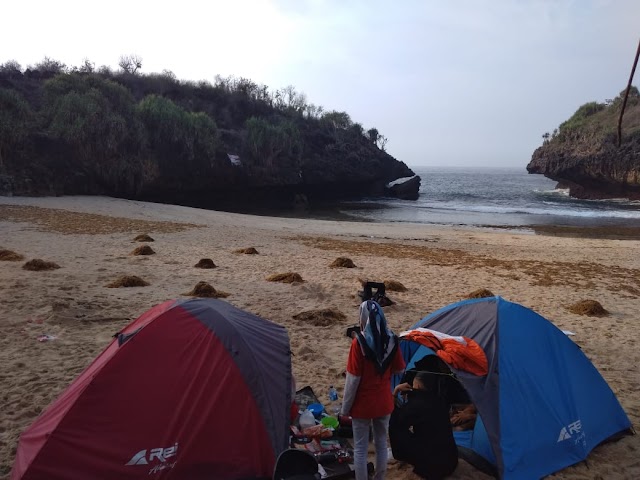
column 420, row 434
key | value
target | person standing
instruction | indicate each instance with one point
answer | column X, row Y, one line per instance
column 374, row 356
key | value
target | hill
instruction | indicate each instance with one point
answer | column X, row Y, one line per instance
column 582, row 153
column 82, row 130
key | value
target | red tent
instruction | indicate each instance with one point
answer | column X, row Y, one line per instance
column 192, row 389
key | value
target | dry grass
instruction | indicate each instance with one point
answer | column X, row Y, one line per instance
column 342, row 262
column 481, row 293
column 325, row 317
column 143, row 238
column 143, row 250
column 591, row 308
column 128, row 281
column 204, row 290
column 288, row 277
column 247, row 251
column 10, row 256
column 66, row 222
column 205, row 263
column 394, row 286
column 577, row 275
column 37, row 264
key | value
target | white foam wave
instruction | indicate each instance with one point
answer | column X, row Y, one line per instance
column 561, row 212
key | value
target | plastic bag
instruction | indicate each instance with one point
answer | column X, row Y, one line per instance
column 307, row 419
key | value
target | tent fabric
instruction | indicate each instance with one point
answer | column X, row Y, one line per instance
column 200, row 389
column 543, row 405
column 461, row 353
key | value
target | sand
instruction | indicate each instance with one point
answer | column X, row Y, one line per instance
column 91, row 239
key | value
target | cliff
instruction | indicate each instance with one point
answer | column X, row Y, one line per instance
column 582, row 154
column 152, row 137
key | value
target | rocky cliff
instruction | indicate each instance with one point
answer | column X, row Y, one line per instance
column 582, row 154
column 152, row 137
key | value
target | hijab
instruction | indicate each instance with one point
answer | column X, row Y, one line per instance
column 377, row 341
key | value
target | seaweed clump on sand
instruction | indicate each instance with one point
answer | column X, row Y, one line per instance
column 247, row 251
column 37, row 264
column 288, row 277
column 394, row 286
column 204, row 290
column 591, row 308
column 481, row 293
column 205, row 263
column 143, row 250
column 128, row 281
column 324, row 317
column 10, row 256
column 143, row 238
column 342, row 262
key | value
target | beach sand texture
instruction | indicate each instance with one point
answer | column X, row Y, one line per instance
column 91, row 239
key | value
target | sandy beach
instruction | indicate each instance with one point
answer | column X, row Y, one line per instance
column 91, row 239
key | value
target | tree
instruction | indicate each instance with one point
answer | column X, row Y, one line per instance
column 383, row 142
column 182, row 142
column 266, row 142
column 95, row 117
column 545, row 137
column 373, row 135
column 49, row 67
column 14, row 121
column 130, row 63
column 11, row 67
column 87, row 66
column 339, row 120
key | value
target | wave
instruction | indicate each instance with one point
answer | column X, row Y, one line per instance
column 560, row 212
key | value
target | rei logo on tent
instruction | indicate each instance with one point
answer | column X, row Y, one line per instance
column 572, row 429
column 161, row 454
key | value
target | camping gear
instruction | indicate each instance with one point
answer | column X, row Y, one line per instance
column 542, row 406
column 294, row 464
column 191, row 389
column 316, row 409
column 307, row 419
column 330, row 421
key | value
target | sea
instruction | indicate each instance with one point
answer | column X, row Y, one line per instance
column 494, row 197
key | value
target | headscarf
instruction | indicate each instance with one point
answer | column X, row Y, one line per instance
column 377, row 341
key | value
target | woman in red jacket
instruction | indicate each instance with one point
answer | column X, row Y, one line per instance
column 374, row 356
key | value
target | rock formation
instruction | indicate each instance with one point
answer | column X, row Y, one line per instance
column 583, row 156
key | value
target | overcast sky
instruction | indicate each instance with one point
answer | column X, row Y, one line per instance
column 448, row 82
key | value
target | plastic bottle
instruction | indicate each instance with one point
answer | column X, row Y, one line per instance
column 333, row 394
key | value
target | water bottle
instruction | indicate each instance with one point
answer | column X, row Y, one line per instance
column 333, row 394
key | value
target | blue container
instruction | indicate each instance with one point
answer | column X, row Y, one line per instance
column 316, row 409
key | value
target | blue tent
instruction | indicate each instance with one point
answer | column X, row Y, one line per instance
column 543, row 405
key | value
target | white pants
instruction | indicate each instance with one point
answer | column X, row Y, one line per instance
column 361, row 447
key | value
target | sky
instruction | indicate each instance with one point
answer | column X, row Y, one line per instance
column 448, row 82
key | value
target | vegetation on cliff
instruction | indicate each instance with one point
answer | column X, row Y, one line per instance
column 73, row 130
column 582, row 153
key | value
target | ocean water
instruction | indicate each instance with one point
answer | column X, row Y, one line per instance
column 501, row 197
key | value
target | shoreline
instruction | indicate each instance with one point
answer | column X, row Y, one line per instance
column 91, row 239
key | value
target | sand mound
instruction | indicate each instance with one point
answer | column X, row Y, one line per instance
column 143, row 238
column 143, row 250
column 591, row 308
column 36, row 265
column 128, row 281
column 205, row 263
column 288, row 277
column 394, row 286
column 10, row 256
column 480, row 293
column 324, row 317
column 247, row 251
column 204, row 290
column 342, row 262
